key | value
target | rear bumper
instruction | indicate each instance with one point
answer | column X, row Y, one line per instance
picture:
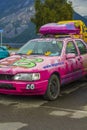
column 23, row 88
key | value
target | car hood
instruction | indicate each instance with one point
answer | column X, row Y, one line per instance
column 17, row 63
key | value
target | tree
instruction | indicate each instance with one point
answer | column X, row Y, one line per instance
column 47, row 11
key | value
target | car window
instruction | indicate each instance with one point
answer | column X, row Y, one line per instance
column 81, row 46
column 42, row 47
column 60, row 44
column 70, row 48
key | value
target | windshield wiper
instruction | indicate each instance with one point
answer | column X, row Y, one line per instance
column 19, row 54
column 30, row 54
column 36, row 54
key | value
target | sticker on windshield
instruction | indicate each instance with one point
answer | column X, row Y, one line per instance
column 29, row 52
column 54, row 42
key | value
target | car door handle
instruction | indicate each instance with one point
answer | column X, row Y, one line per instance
column 78, row 59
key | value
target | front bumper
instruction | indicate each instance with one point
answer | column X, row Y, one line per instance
column 23, row 88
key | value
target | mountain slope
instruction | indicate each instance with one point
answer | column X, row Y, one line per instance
column 15, row 21
column 77, row 16
column 85, row 17
column 10, row 6
column 15, row 18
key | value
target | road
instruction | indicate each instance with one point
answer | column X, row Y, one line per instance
column 68, row 112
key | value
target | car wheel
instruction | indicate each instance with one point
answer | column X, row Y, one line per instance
column 53, row 88
column 86, row 76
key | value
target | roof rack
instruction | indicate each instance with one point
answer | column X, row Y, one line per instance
column 56, row 35
column 58, row 30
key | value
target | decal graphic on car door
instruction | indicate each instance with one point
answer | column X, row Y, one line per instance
column 73, row 62
column 83, row 54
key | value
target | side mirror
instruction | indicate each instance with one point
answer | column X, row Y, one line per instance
column 70, row 55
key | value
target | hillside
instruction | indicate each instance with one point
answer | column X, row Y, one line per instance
column 85, row 17
column 8, row 7
column 77, row 16
column 15, row 18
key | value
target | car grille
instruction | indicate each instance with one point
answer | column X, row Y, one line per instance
column 7, row 86
column 6, row 77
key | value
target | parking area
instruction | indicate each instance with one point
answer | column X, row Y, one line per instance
column 68, row 112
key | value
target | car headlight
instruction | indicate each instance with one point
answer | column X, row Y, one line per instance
column 27, row 77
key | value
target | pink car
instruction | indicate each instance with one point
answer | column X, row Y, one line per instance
column 42, row 65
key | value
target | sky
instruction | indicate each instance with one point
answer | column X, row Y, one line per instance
column 80, row 6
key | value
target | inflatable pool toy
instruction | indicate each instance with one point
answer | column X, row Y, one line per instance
column 55, row 28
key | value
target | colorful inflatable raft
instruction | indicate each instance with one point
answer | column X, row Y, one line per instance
column 54, row 28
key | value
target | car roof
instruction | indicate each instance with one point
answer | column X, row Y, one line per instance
column 51, row 39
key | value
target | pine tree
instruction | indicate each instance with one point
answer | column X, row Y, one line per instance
column 51, row 11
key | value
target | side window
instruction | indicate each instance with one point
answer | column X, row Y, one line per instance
column 60, row 46
column 81, row 46
column 70, row 48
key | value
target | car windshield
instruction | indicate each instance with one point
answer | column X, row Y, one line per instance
column 42, row 47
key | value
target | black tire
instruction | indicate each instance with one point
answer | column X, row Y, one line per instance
column 86, row 76
column 53, row 88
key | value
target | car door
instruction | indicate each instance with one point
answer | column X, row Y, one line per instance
column 85, row 34
column 83, row 54
column 73, row 62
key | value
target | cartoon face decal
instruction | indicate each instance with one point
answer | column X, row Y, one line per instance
column 27, row 62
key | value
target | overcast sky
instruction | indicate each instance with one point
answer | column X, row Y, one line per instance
column 80, row 6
